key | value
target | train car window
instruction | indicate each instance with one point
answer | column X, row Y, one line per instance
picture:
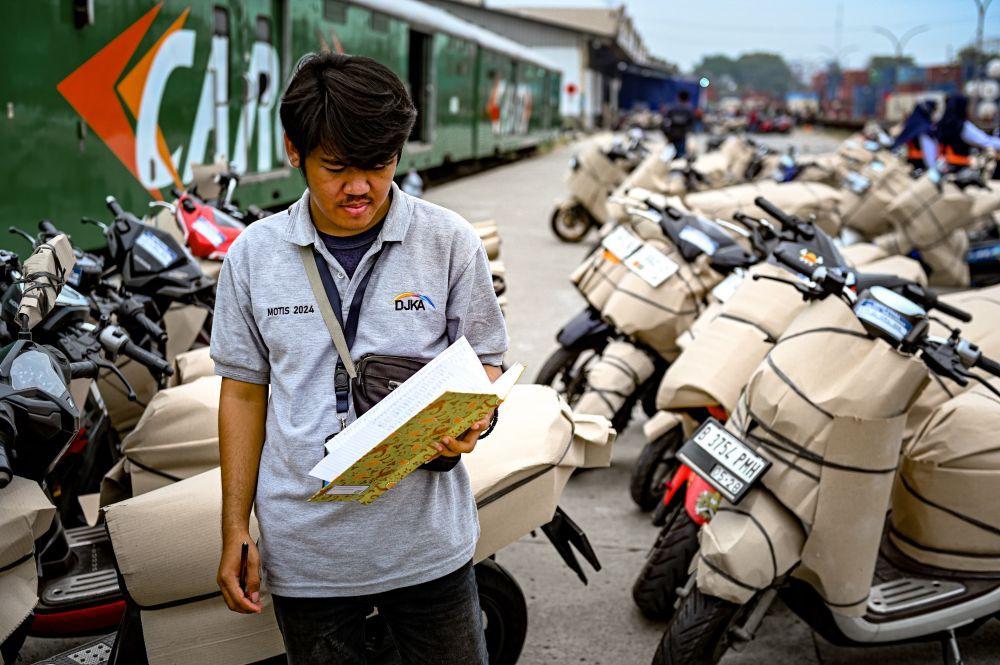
column 379, row 22
column 335, row 11
column 264, row 29
column 220, row 21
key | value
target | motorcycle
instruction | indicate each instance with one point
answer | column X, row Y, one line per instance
column 829, row 441
column 729, row 348
column 594, row 172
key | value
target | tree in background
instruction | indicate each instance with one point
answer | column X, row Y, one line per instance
column 758, row 72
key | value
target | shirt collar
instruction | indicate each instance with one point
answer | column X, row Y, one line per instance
column 301, row 231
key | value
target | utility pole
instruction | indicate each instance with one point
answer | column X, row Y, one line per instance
column 899, row 43
column 981, row 7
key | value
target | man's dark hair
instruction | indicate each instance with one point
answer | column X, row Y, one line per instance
column 352, row 107
column 683, row 96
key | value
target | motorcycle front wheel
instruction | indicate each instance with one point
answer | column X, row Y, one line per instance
column 505, row 612
column 666, row 566
column 566, row 371
column 657, row 462
column 571, row 223
column 701, row 631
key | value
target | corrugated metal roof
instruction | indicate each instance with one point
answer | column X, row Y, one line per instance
column 432, row 17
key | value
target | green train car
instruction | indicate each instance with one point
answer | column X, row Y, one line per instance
column 123, row 97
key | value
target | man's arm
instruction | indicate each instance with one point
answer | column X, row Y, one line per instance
column 242, row 412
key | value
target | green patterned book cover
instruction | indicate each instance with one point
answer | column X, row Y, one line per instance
column 407, row 448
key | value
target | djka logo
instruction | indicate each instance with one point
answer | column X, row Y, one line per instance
column 102, row 92
column 411, row 300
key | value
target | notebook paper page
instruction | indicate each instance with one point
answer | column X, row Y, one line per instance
column 457, row 368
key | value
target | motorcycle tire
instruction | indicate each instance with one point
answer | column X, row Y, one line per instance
column 666, row 566
column 656, row 463
column 505, row 612
column 699, row 633
column 571, row 223
column 560, row 366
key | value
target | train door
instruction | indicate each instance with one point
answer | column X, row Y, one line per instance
column 256, row 82
column 419, row 80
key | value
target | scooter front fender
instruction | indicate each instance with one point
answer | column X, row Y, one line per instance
column 585, row 331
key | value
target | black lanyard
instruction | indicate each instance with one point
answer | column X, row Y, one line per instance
column 341, row 379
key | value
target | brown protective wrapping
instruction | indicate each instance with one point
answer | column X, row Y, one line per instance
column 827, row 408
column 926, row 214
column 744, row 548
column 866, row 212
column 167, row 542
column 944, row 502
column 862, row 252
column 47, row 268
column 182, row 324
column 945, row 259
column 795, row 198
column 25, row 515
column 490, row 236
column 724, row 352
column 594, row 178
column 983, row 330
column 176, row 437
column 619, row 372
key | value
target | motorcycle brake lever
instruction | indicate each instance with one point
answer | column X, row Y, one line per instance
column 101, row 362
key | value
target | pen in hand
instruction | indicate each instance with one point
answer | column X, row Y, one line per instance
column 244, row 552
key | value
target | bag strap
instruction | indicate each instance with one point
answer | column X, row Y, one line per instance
column 323, row 301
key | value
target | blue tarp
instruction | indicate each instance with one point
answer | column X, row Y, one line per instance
column 653, row 91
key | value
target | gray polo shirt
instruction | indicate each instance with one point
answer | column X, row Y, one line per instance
column 268, row 330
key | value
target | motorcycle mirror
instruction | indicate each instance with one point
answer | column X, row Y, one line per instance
column 24, row 234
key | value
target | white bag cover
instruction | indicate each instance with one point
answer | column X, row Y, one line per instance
column 25, row 516
column 620, row 371
column 489, row 234
column 944, row 502
column 827, row 408
column 866, row 212
column 167, row 542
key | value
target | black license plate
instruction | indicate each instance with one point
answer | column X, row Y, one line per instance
column 725, row 462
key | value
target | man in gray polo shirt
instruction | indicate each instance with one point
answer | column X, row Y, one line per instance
column 408, row 554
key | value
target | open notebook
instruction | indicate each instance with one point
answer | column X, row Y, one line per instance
column 397, row 435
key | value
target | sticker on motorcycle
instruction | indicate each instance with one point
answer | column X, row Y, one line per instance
column 699, row 239
column 725, row 462
column 725, row 289
column 156, row 248
column 621, row 243
column 209, row 232
column 651, row 265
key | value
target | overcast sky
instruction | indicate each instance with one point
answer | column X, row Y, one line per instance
column 682, row 32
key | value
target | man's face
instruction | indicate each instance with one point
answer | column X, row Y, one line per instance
column 346, row 199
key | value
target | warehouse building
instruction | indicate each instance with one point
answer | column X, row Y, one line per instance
column 598, row 51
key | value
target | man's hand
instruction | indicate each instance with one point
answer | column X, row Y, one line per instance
column 452, row 447
column 466, row 443
column 228, row 577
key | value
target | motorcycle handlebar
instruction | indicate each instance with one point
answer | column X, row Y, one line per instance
column 147, row 358
column 991, row 366
column 46, row 226
column 150, row 326
column 950, row 310
column 85, row 369
column 773, row 211
column 115, row 207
